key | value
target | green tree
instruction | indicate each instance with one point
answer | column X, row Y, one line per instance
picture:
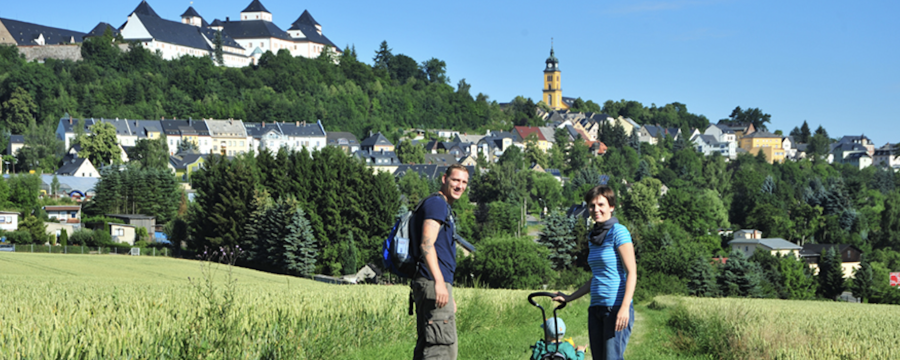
column 819, row 144
column 831, row 275
column 217, row 49
column 508, row 262
column 64, row 238
column 533, row 154
column 35, row 226
column 558, row 237
column 435, row 70
column 410, row 153
column 24, row 190
column 797, row 280
column 42, row 150
column 579, row 156
column 54, row 186
column 224, row 193
column 863, row 281
column 740, row 277
column 19, row 111
column 754, row 116
column 413, row 186
column 101, row 146
column 151, row 153
column 703, row 279
column 641, row 203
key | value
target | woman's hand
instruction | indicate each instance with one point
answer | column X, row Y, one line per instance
column 563, row 298
column 581, row 348
column 622, row 318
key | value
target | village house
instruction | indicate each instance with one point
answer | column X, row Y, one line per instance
column 885, row 157
column 766, row 142
column 748, row 241
column 64, row 213
column 344, row 141
column 850, row 255
column 9, row 221
column 228, row 137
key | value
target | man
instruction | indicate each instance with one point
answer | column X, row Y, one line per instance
column 433, row 284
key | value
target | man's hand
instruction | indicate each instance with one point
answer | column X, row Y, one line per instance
column 442, row 296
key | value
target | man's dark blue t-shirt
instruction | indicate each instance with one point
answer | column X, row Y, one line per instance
column 435, row 208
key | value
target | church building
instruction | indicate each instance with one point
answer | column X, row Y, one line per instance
column 552, row 84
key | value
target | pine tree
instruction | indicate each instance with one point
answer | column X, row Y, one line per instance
column 797, row 280
column 350, row 259
column 831, row 275
column 300, row 246
column 64, row 238
column 558, row 237
column 643, row 170
column 703, row 279
column 740, row 277
column 863, row 281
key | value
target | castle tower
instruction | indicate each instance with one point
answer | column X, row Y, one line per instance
column 552, row 88
column 191, row 17
column 256, row 11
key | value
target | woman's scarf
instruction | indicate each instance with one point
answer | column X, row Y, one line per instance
column 598, row 233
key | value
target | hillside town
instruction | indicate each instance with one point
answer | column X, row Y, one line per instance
column 640, row 156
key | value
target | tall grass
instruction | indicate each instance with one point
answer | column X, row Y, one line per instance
column 733, row 328
column 93, row 307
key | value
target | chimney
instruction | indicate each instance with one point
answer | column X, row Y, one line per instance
column 70, row 121
column 264, row 124
column 298, row 123
column 190, row 121
column 227, row 19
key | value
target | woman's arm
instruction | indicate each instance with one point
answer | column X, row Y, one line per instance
column 584, row 289
column 626, row 252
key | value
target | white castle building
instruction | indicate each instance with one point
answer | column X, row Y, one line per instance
column 242, row 41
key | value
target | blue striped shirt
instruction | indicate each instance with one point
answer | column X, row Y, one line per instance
column 608, row 282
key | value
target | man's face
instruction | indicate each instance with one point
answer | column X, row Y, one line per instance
column 455, row 184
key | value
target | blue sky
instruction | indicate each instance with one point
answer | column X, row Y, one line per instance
column 834, row 63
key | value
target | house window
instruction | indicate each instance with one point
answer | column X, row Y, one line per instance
column 549, row 77
column 120, row 232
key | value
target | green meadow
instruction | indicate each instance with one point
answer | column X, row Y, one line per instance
column 115, row 306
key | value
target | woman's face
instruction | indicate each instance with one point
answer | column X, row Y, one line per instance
column 599, row 209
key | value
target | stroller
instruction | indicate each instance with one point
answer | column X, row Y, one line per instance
column 549, row 351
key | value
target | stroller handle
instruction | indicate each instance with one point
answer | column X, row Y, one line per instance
column 547, row 294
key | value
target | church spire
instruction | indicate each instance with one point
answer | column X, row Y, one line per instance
column 552, row 61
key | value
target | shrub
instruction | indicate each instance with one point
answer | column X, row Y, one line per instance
column 82, row 237
column 508, row 262
column 19, row 237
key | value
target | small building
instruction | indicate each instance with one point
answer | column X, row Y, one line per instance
column 78, row 167
column 850, row 257
column 183, row 164
column 9, row 221
column 135, row 220
column 70, row 214
column 122, row 233
column 377, row 142
column 16, row 142
column 775, row 246
column 344, row 141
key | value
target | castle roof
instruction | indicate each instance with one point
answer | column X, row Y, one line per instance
column 305, row 19
column 145, row 9
column 27, row 33
column 190, row 12
column 256, row 6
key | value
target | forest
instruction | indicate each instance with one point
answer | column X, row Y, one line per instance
column 333, row 212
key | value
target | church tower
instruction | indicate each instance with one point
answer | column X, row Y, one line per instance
column 552, row 88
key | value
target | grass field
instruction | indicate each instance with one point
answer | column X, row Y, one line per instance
column 106, row 306
column 113, row 306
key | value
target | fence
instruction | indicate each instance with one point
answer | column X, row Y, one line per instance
column 90, row 250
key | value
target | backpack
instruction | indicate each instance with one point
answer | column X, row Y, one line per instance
column 397, row 249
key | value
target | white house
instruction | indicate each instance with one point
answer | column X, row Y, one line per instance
column 78, row 167
column 9, row 221
column 228, row 137
column 885, row 157
column 293, row 136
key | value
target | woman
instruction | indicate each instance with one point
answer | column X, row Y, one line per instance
column 611, row 257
